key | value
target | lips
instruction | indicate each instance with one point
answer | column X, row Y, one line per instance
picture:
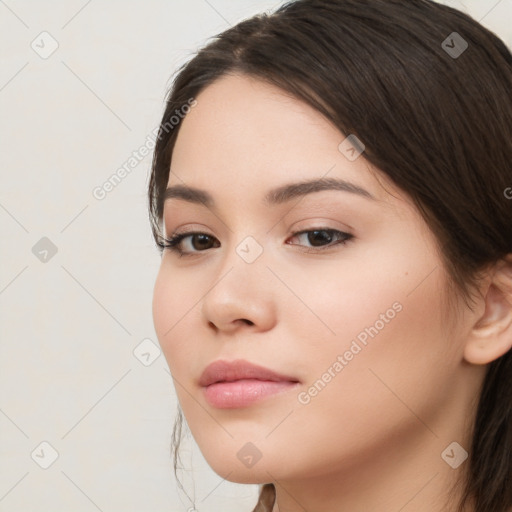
column 231, row 371
column 239, row 384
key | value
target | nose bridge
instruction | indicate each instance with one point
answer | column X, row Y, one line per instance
column 242, row 270
column 245, row 249
column 241, row 288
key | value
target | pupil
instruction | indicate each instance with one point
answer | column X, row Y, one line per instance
column 324, row 237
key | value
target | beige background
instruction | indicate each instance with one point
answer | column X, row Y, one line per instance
column 80, row 367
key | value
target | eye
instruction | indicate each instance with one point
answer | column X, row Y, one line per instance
column 196, row 242
column 322, row 238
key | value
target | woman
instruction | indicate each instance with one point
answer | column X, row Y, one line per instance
column 331, row 191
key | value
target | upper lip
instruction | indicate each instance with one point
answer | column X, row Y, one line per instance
column 228, row 371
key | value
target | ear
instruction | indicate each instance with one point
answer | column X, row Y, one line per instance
column 491, row 335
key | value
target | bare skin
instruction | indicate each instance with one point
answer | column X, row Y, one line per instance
column 372, row 436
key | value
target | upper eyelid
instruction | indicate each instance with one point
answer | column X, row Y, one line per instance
column 295, row 232
column 317, row 223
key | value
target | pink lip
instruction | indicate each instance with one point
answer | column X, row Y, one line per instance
column 229, row 385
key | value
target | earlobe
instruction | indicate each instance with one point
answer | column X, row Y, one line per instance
column 491, row 336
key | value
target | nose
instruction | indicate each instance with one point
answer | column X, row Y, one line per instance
column 241, row 297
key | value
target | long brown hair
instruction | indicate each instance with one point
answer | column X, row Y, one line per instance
column 428, row 91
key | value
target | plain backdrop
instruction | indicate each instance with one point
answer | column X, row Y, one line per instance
column 86, row 400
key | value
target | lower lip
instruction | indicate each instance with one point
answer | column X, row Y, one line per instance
column 244, row 392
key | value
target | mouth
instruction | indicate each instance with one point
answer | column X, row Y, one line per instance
column 236, row 384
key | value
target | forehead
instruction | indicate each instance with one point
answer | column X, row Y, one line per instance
column 249, row 136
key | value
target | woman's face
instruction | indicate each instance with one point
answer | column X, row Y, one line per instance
column 357, row 325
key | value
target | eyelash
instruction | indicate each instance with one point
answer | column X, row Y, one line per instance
column 172, row 243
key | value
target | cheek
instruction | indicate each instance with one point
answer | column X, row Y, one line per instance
column 385, row 320
column 173, row 301
column 163, row 305
column 394, row 347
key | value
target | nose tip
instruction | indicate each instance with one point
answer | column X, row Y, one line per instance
column 240, row 299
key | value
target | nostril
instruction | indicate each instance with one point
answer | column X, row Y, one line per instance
column 243, row 320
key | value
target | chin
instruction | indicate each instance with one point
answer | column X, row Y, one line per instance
column 245, row 476
column 236, row 471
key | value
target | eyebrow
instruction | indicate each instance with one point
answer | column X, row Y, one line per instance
column 275, row 196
